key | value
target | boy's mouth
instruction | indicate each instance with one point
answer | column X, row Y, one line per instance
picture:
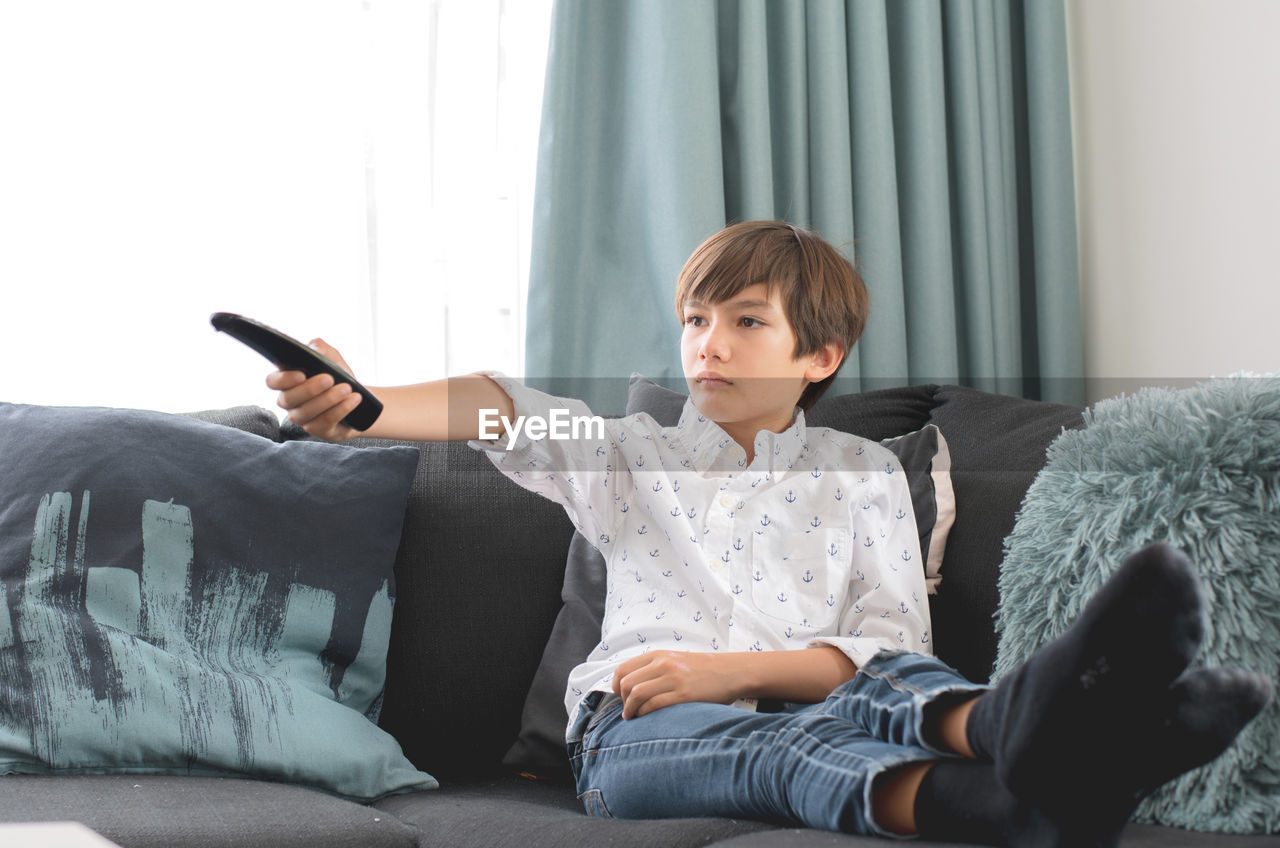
column 711, row 378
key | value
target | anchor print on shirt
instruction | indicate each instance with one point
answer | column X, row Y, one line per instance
column 805, row 588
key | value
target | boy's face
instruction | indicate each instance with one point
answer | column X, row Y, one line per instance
column 738, row 362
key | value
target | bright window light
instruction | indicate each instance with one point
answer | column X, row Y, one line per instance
column 360, row 171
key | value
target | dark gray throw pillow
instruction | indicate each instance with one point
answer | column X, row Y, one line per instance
column 180, row 597
column 923, row 454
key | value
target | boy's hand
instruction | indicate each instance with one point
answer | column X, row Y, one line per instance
column 317, row 405
column 661, row 678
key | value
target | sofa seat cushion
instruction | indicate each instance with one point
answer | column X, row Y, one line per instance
column 151, row 811
column 1135, row 836
column 520, row 813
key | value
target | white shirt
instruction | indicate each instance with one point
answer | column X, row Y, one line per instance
column 813, row 543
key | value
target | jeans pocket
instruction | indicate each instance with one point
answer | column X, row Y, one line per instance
column 593, row 802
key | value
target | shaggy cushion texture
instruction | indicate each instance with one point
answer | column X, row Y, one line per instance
column 1198, row 468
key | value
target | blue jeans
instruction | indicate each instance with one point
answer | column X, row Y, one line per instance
column 810, row 764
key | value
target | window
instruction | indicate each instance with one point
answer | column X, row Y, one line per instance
column 361, row 171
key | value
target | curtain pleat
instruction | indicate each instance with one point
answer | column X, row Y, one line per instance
column 930, row 141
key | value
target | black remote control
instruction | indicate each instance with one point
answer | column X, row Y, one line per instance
column 289, row 354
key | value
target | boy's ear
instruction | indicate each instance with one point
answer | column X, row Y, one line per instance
column 825, row 362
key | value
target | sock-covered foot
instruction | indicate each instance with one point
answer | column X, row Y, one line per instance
column 1195, row 721
column 964, row 801
column 1046, row 724
column 1199, row 717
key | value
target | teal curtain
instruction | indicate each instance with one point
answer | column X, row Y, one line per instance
column 928, row 139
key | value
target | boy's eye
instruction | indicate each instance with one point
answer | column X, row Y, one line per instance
column 752, row 322
column 693, row 320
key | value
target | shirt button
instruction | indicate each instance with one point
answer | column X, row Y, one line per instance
column 726, row 501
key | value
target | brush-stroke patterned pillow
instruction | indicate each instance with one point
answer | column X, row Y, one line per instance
column 185, row 598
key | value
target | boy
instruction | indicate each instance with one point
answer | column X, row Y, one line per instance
column 751, row 557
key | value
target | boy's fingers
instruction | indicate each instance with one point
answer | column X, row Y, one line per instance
column 281, row 380
column 645, row 697
column 300, row 394
column 329, row 424
column 319, row 407
column 327, row 350
column 632, row 672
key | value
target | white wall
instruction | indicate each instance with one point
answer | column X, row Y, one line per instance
column 1176, row 109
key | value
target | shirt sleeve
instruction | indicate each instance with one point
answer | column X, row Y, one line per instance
column 559, row 450
column 889, row 609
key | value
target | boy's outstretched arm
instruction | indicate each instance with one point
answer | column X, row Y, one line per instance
column 442, row 410
column 661, row 678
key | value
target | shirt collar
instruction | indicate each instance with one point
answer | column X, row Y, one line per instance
column 712, row 449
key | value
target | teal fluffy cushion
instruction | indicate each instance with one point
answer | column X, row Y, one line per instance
column 184, row 598
column 1198, row 468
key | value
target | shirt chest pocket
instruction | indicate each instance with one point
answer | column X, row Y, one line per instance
column 804, row 580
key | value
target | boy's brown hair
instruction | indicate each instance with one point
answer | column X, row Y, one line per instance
column 824, row 297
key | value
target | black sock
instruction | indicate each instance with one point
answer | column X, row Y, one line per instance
column 961, row 801
column 1199, row 717
column 1105, row 714
column 1049, row 723
column 964, row 801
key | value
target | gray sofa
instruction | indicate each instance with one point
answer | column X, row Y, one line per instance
column 458, row 674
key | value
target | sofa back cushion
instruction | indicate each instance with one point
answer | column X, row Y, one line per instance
column 478, row 574
column 998, row 446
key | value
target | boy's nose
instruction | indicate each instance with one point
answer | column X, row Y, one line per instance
column 714, row 345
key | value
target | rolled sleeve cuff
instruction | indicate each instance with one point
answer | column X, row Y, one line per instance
column 860, row 649
column 529, row 404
